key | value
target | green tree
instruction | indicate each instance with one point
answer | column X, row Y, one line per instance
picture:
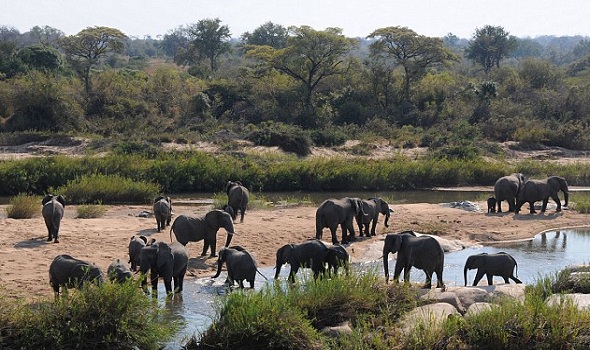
column 46, row 36
column 310, row 57
column 270, row 34
column 40, row 57
column 205, row 40
column 414, row 53
column 489, row 46
column 85, row 49
column 10, row 63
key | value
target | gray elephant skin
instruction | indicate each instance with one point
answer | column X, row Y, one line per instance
column 193, row 229
column 241, row 265
column 69, row 272
column 309, row 254
column 168, row 261
column 53, row 212
column 237, row 199
column 337, row 257
column 162, row 211
column 338, row 212
column 540, row 190
column 498, row 264
column 371, row 208
column 135, row 245
column 118, row 271
column 491, row 205
column 423, row 252
column 507, row 189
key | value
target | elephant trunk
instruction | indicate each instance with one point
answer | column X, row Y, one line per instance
column 386, row 264
column 386, row 223
column 278, row 268
column 219, row 265
column 566, row 196
column 229, row 237
column 465, row 274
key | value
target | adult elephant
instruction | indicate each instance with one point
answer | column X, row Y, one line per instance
column 168, row 261
column 507, row 189
column 423, row 252
column 118, row 271
column 337, row 257
column 241, row 265
column 237, row 199
column 309, row 254
column 372, row 207
column 338, row 212
column 162, row 211
column 193, row 229
column 53, row 212
column 69, row 272
column 498, row 264
column 541, row 190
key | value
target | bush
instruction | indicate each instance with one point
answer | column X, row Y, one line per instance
column 23, row 206
column 289, row 139
column 108, row 190
column 90, row 211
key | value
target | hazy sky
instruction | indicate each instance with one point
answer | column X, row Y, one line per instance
column 357, row 18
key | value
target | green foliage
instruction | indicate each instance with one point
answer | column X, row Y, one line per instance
column 111, row 316
column 489, row 46
column 23, row 206
column 580, row 202
column 289, row 139
column 108, row 189
column 90, row 211
column 328, row 137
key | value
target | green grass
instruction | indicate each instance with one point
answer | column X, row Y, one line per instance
column 108, row 189
column 23, row 206
column 111, row 316
column 90, row 211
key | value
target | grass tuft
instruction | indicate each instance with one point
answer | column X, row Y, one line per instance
column 23, row 206
column 108, row 189
column 91, row 211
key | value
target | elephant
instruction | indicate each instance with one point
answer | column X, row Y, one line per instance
column 135, row 245
column 69, row 272
column 337, row 257
column 241, row 265
column 498, row 264
column 162, row 211
column 491, row 205
column 423, row 252
column 118, row 271
column 193, row 229
column 53, row 212
column 311, row 253
column 237, row 199
column 507, row 188
column 334, row 212
column 541, row 190
column 168, row 261
column 371, row 208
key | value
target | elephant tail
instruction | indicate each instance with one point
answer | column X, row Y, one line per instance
column 260, row 273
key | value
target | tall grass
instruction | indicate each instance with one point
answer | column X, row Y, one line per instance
column 23, row 206
column 108, row 189
column 90, row 211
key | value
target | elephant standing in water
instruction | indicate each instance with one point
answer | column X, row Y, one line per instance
column 499, row 264
column 69, row 272
column 337, row 257
column 311, row 253
column 241, row 265
column 168, row 261
column 118, row 271
column 422, row 252
column 237, row 199
column 334, row 212
column 53, row 212
column 162, row 212
column 541, row 190
column 193, row 229
column 371, row 208
column 507, row 189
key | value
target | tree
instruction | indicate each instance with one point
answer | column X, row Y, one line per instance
column 270, row 34
column 205, row 40
column 85, row 49
column 310, row 57
column 489, row 46
column 414, row 53
column 46, row 36
column 40, row 57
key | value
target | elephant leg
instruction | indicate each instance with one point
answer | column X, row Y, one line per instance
column 398, row 270
column 499, row 204
column 154, row 280
column 373, row 229
column 557, row 202
column 406, row 274
column 439, row 279
column 241, row 284
column 532, row 208
column 205, row 247
column 544, row 206
column 168, row 285
column 428, row 283
column 251, row 284
column 478, row 277
column 334, row 237
column 294, row 269
column 213, row 245
column 242, row 213
column 344, row 234
column 490, row 279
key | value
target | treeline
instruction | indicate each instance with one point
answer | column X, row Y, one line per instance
column 300, row 86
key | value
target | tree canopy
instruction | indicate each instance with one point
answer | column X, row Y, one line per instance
column 489, row 46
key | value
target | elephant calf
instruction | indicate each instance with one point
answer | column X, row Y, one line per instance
column 135, row 245
column 53, row 212
column 66, row 271
column 491, row 205
column 118, row 271
column 337, row 257
column 240, row 265
column 168, row 261
column 499, row 264
column 311, row 253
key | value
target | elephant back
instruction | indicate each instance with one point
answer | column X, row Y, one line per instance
column 188, row 229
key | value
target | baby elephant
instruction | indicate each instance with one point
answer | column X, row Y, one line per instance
column 66, row 271
column 336, row 257
column 118, row 271
column 240, row 265
column 491, row 205
column 53, row 212
column 498, row 264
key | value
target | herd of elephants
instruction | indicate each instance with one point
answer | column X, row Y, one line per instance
column 169, row 260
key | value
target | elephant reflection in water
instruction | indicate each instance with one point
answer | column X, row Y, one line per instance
column 553, row 246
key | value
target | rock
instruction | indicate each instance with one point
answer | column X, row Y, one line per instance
column 582, row 301
column 515, row 291
column 470, row 295
column 465, row 205
column 476, row 308
column 440, row 296
column 432, row 315
column 337, row 331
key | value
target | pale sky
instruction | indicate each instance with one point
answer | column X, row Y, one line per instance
column 357, row 18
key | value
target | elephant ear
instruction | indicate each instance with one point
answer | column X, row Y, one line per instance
column 164, row 254
column 212, row 219
column 62, row 200
column 46, row 199
column 158, row 199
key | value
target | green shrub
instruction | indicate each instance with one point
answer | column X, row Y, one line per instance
column 111, row 316
column 288, row 138
column 328, row 137
column 108, row 190
column 90, row 211
column 23, row 206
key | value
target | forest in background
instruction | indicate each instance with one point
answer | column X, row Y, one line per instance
column 296, row 87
